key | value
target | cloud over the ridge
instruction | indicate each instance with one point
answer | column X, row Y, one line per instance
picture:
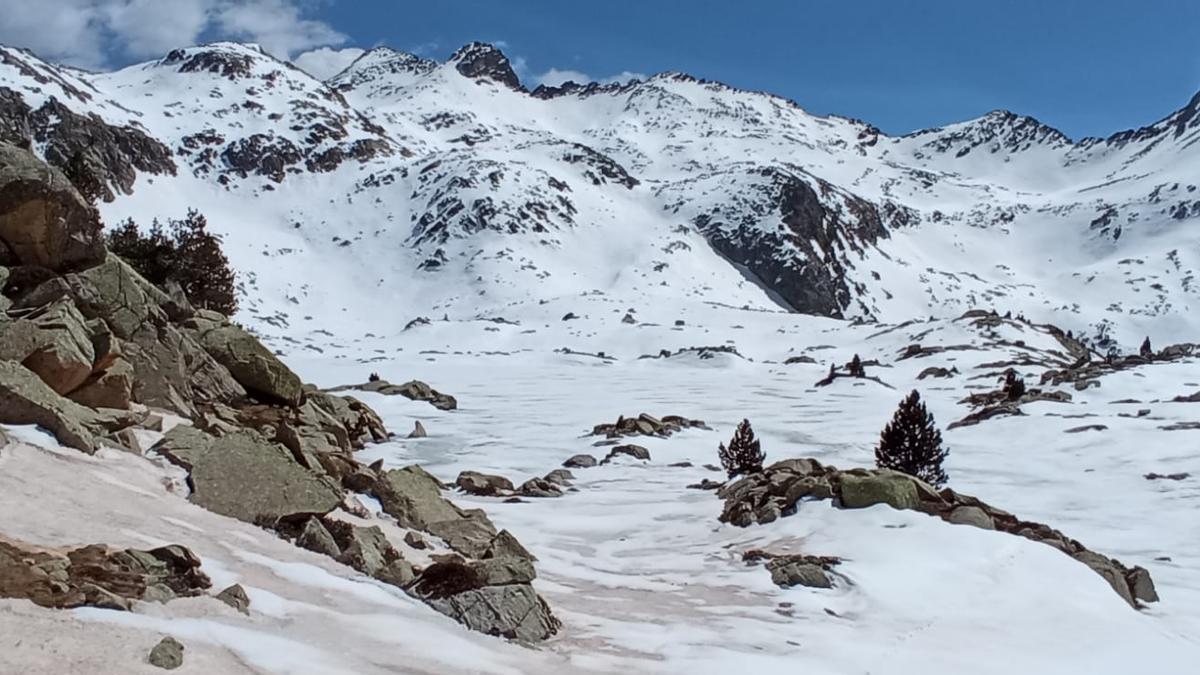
column 556, row 77
column 323, row 62
column 95, row 33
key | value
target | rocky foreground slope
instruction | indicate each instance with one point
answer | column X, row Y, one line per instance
column 97, row 356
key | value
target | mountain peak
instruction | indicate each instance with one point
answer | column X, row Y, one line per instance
column 380, row 66
column 483, row 60
column 232, row 60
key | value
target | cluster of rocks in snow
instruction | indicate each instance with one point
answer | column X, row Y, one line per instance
column 414, row 390
column 97, row 576
column 96, row 355
column 782, row 488
column 647, row 425
column 553, row 484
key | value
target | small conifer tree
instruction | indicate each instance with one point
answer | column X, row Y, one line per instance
column 1146, row 351
column 188, row 255
column 856, row 367
column 911, row 443
column 744, row 454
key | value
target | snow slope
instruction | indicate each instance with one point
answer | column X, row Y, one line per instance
column 643, row 575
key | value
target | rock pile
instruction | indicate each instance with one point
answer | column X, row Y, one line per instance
column 96, row 576
column 795, row 570
column 487, row 485
column 414, row 390
column 647, row 425
column 781, row 488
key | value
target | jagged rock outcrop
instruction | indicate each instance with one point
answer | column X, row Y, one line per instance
column 481, row 60
column 98, row 576
column 490, row 596
column 806, row 260
column 782, row 488
column 111, row 155
column 90, row 327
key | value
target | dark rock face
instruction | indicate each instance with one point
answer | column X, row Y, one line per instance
column 263, row 155
column 97, row 576
column 807, row 260
column 480, row 60
column 599, row 168
column 114, row 155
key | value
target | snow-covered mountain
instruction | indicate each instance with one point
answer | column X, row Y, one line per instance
column 451, row 188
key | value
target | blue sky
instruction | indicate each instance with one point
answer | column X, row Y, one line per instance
column 1087, row 68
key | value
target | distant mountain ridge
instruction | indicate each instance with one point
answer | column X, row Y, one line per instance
column 451, row 187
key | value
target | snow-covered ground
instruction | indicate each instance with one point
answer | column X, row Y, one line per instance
column 636, row 565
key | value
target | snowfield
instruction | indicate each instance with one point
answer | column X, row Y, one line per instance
column 637, row 566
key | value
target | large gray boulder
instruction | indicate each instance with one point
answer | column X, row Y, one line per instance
column 53, row 341
column 247, row 477
column 171, row 371
column 26, row 399
column 43, row 219
column 483, row 484
column 414, row 498
column 250, row 363
column 112, row 291
column 878, row 486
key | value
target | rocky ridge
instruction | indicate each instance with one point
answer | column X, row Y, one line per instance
column 93, row 353
column 783, row 488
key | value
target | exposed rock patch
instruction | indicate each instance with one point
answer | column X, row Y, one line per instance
column 98, row 576
column 647, row 425
column 414, row 390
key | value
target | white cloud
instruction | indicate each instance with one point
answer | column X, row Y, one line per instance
column 556, row 77
column 148, row 28
column 324, row 63
column 66, row 30
column 93, row 33
column 275, row 24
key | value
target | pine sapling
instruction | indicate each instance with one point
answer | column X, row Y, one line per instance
column 911, row 443
column 744, row 455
